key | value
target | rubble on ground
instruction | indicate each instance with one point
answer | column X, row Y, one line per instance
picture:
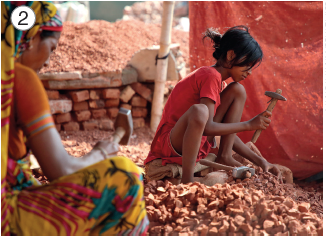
column 259, row 205
column 236, row 209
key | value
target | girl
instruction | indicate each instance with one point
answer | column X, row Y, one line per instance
column 96, row 194
column 198, row 109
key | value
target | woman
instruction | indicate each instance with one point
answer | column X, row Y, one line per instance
column 87, row 195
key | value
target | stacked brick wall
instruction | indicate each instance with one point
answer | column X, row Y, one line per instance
column 92, row 101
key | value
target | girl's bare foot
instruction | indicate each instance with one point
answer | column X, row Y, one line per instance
column 229, row 161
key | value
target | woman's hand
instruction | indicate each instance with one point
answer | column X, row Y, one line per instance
column 261, row 121
column 110, row 148
column 268, row 167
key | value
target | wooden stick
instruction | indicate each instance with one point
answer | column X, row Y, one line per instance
column 162, row 64
column 270, row 109
column 119, row 133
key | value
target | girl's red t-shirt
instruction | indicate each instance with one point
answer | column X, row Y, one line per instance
column 203, row 82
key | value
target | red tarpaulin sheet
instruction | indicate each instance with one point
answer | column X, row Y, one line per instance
column 291, row 37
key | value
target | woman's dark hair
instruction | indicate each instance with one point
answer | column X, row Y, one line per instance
column 238, row 39
column 46, row 33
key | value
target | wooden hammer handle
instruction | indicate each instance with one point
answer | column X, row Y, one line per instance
column 215, row 165
column 270, row 109
column 119, row 133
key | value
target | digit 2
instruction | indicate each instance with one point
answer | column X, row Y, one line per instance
column 20, row 22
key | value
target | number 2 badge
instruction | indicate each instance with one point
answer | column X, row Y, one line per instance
column 23, row 18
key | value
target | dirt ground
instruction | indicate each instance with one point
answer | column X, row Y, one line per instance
column 79, row 143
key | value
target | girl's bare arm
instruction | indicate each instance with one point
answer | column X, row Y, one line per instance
column 212, row 128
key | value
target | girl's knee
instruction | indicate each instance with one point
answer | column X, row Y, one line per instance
column 199, row 114
column 237, row 89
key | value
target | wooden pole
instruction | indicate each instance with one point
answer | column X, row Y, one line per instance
column 162, row 64
column 88, row 16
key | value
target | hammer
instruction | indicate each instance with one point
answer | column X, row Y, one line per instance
column 123, row 127
column 274, row 97
column 237, row 172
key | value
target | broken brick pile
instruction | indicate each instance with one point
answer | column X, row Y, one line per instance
column 269, row 184
column 225, row 210
column 99, row 46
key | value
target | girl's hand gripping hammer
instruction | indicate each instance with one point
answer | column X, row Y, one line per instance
column 275, row 96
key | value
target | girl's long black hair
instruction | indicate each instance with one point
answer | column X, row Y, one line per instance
column 247, row 50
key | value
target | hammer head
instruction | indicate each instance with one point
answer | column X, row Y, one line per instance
column 240, row 172
column 275, row 95
column 124, row 120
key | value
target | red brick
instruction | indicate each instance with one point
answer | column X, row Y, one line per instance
column 246, row 227
column 211, row 213
column 268, row 225
column 238, row 220
column 138, row 122
column 90, row 125
column 79, row 96
column 96, row 103
column 289, row 203
column 126, row 106
column 64, row 117
column 52, row 94
column 112, row 102
column 98, row 113
column 106, row 124
column 82, row 115
column 95, row 94
column 202, row 201
column 142, row 91
column 167, row 230
column 304, row 207
column 213, row 231
column 204, row 231
column 213, row 204
column 58, row 127
column 113, row 112
column 110, row 93
column 126, row 94
column 201, row 208
column 138, row 112
column 151, row 196
column 294, row 213
column 138, row 101
column 232, row 227
column 178, row 203
column 80, row 106
column 60, row 106
column 71, row 126
column 225, row 226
